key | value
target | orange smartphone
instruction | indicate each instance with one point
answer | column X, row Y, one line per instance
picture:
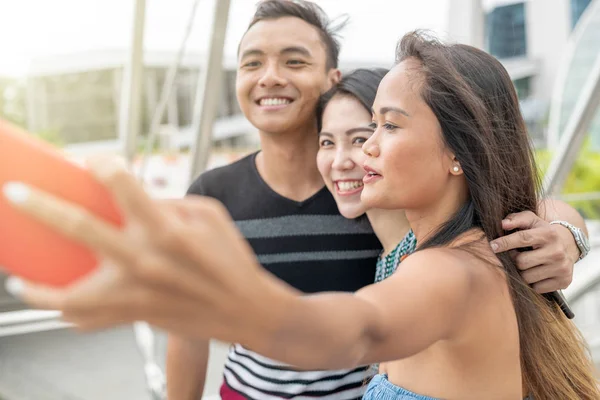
column 28, row 248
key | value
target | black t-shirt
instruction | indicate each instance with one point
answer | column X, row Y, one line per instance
column 313, row 248
column 308, row 244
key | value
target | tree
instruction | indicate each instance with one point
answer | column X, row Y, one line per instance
column 584, row 177
column 12, row 101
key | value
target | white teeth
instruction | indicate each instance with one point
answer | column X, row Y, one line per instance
column 274, row 101
column 348, row 186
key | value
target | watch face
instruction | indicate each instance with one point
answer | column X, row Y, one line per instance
column 584, row 242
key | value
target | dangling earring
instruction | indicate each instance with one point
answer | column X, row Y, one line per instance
column 455, row 169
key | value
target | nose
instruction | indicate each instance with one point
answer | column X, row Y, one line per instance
column 272, row 77
column 371, row 147
column 342, row 160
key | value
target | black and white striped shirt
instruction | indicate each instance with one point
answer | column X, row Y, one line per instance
column 309, row 245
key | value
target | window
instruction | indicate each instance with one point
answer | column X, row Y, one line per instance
column 506, row 31
column 577, row 8
column 523, row 86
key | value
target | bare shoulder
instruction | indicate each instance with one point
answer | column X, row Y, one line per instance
column 442, row 260
column 444, row 270
column 454, row 268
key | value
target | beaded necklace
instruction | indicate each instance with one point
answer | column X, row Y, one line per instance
column 388, row 264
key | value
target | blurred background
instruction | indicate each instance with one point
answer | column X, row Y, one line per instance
column 154, row 81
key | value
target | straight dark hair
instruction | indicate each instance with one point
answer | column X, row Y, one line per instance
column 310, row 13
column 360, row 84
column 476, row 104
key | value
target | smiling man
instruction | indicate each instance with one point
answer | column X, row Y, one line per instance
column 287, row 58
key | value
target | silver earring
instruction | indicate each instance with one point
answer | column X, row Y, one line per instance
column 455, row 169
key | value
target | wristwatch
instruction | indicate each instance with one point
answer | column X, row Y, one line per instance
column 580, row 239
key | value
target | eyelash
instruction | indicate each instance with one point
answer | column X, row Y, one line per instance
column 357, row 140
column 387, row 126
column 293, row 63
column 249, row 64
column 296, row 63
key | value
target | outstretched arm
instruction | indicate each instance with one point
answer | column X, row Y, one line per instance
column 422, row 303
column 199, row 278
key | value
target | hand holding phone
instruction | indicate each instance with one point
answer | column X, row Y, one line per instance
column 28, row 248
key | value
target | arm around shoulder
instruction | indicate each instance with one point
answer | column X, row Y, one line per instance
column 552, row 210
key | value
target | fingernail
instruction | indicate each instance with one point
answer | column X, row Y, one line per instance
column 14, row 286
column 16, row 192
column 494, row 246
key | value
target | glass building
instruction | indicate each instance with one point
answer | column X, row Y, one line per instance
column 76, row 98
column 577, row 8
column 582, row 54
column 506, row 31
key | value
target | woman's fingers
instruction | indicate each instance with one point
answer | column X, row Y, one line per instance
column 191, row 249
column 127, row 251
column 38, row 296
column 72, row 221
column 103, row 300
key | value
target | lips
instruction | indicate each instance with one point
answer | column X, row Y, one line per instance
column 371, row 176
column 348, row 187
column 274, row 101
column 370, row 171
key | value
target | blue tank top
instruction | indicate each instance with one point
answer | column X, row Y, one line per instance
column 381, row 389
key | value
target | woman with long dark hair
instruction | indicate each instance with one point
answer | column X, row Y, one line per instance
column 344, row 117
column 457, row 321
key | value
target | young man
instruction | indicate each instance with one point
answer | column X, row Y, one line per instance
column 287, row 58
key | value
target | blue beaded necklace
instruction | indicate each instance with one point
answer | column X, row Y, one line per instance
column 388, row 264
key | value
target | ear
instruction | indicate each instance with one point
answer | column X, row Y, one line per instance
column 333, row 77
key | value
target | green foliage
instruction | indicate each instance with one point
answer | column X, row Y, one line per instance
column 12, row 101
column 53, row 137
column 583, row 178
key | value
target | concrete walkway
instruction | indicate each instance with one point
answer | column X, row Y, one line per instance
column 64, row 365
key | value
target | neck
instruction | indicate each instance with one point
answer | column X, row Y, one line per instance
column 390, row 226
column 287, row 163
column 426, row 221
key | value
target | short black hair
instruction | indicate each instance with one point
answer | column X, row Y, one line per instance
column 361, row 84
column 310, row 13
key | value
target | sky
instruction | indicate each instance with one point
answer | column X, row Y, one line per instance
column 38, row 28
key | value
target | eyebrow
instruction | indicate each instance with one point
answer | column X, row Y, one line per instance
column 297, row 49
column 385, row 110
column 291, row 49
column 350, row 131
column 252, row 52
